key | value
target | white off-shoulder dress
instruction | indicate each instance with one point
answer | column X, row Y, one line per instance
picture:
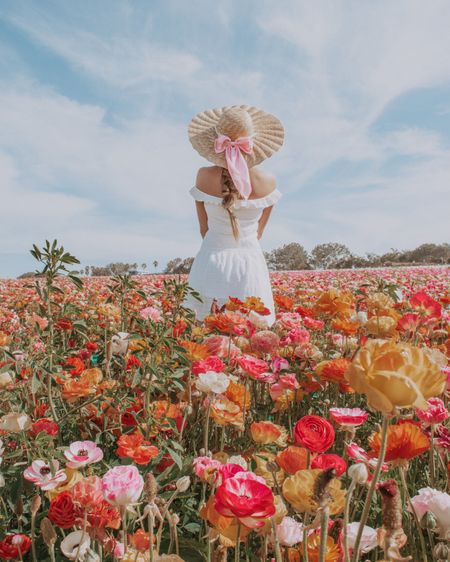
column 225, row 267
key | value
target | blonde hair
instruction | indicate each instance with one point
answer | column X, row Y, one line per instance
column 230, row 195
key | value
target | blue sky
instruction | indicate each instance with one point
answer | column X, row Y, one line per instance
column 95, row 98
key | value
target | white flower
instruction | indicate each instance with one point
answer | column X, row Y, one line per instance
column 119, row 343
column 5, row 380
column 289, row 532
column 213, row 382
column 15, row 422
column 257, row 320
column 429, row 499
column 368, row 539
column 69, row 546
column 237, row 459
column 358, row 473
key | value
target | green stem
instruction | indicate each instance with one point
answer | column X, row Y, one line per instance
column 373, row 484
column 238, row 543
column 413, row 511
column 324, row 533
column 348, row 499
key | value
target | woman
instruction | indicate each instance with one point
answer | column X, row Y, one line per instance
column 234, row 200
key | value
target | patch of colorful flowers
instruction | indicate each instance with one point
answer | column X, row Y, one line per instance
column 130, row 432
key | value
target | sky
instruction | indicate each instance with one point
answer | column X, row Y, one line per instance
column 96, row 96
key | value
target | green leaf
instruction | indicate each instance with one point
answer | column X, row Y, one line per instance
column 176, row 457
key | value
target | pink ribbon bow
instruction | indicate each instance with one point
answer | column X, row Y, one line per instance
column 236, row 163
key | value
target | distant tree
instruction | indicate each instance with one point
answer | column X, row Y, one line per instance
column 431, row 253
column 330, row 256
column 179, row 265
column 155, row 264
column 288, row 258
column 143, row 266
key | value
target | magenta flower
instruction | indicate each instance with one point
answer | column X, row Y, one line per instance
column 348, row 417
column 82, row 453
column 46, row 475
column 122, row 485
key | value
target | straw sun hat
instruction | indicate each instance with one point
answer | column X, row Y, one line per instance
column 236, row 121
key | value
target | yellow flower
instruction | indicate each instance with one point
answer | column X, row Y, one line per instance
column 278, row 516
column 332, row 551
column 379, row 302
column 73, row 476
column 299, row 491
column 381, row 326
column 395, row 375
column 262, row 459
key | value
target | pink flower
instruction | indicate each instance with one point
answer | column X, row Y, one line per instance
column 82, row 453
column 435, row 413
column 312, row 323
column 348, row 417
column 289, row 532
column 151, row 313
column 284, row 383
column 265, row 341
column 205, row 464
column 296, row 336
column 438, row 503
column 221, row 346
column 290, row 320
column 122, row 485
column 253, row 366
column 211, row 363
column 45, row 475
column 279, row 364
column 246, row 497
column 358, row 454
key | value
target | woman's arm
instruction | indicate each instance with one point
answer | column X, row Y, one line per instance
column 202, row 217
column 263, row 220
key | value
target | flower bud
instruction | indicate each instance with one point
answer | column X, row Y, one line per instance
column 183, row 484
column 35, row 504
column 441, row 551
column 428, row 521
column 358, row 473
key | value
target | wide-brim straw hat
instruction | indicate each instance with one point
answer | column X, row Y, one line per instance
column 236, row 120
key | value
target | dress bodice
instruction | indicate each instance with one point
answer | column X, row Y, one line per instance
column 248, row 212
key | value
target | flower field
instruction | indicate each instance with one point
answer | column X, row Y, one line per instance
column 130, row 432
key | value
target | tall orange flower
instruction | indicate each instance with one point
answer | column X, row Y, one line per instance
column 293, row 459
column 195, row 351
column 333, row 302
column 226, row 322
column 405, row 440
column 334, row 371
column 238, row 393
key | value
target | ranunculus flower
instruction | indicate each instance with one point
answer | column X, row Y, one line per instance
column 246, row 497
column 45, row 475
column 221, row 346
column 435, row 413
column 404, row 441
column 62, row 511
column 151, row 313
column 265, row 432
column 15, row 422
column 14, row 547
column 348, row 417
column 284, row 383
column 82, row 453
column 204, row 467
column 292, row 459
column 300, row 491
column 75, row 543
column 289, row 532
column 314, row 433
column 330, row 461
column 253, row 366
column 133, row 446
column 44, row 425
column 211, row 363
column 122, row 485
column 265, row 341
column 438, row 503
column 368, row 540
column 88, row 492
column 395, row 375
column 212, row 382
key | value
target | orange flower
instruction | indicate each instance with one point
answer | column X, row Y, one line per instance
column 283, row 302
column 345, row 326
column 73, row 390
column 405, row 440
column 267, row 432
column 292, row 459
column 226, row 322
column 333, row 302
column 224, row 412
column 134, row 447
column 238, row 394
column 75, row 366
column 92, row 376
column 333, row 552
column 140, row 540
column 195, row 351
column 257, row 305
column 210, row 514
column 334, row 371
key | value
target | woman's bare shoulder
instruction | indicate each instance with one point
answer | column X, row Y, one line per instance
column 208, row 180
column 263, row 182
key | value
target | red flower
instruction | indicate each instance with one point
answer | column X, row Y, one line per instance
column 62, row 511
column 314, row 433
column 330, row 461
column 44, row 424
column 91, row 346
column 134, row 447
column 212, row 363
column 132, row 361
column 246, row 497
column 64, row 324
column 15, row 546
column 426, row 305
column 75, row 365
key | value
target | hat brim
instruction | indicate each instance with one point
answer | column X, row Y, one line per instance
column 268, row 135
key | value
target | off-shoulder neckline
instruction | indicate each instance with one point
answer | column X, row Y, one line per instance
column 275, row 194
